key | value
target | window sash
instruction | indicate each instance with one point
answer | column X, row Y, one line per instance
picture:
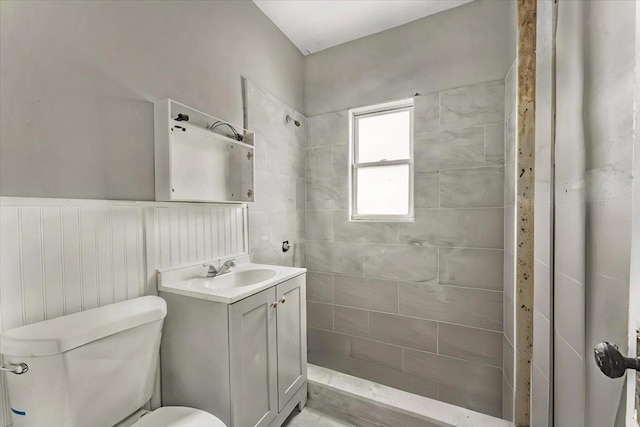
column 355, row 144
column 355, row 115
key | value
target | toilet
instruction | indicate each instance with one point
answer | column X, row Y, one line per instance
column 94, row 368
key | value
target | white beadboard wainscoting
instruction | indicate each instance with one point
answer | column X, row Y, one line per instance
column 61, row 256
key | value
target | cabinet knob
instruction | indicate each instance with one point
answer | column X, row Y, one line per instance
column 275, row 304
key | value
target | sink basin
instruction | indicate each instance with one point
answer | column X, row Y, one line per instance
column 244, row 280
column 235, row 279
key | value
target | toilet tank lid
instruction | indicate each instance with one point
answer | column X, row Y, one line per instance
column 65, row 333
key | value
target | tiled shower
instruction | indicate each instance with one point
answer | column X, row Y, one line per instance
column 416, row 306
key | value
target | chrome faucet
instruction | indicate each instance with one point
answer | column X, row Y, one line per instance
column 226, row 268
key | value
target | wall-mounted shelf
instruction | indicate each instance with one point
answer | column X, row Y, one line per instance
column 194, row 163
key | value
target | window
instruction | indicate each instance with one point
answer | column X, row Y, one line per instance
column 381, row 158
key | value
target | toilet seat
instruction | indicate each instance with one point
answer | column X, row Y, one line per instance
column 179, row 416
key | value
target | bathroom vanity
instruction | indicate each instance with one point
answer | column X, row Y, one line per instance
column 235, row 345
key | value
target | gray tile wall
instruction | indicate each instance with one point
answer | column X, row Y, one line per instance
column 417, row 306
column 278, row 213
column 510, row 131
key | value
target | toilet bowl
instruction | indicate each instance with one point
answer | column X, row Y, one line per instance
column 93, row 368
column 178, row 416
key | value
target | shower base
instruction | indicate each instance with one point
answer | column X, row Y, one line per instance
column 367, row 404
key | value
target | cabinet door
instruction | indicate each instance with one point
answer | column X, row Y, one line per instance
column 252, row 336
column 292, row 338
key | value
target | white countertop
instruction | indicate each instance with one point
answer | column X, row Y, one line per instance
column 181, row 282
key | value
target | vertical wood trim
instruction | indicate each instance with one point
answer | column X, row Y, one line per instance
column 525, row 184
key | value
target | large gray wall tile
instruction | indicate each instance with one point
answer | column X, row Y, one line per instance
column 362, row 232
column 301, row 197
column 340, row 161
column 471, row 105
column 285, row 158
column 426, row 113
column 367, row 293
column 320, row 315
column 403, row 331
column 475, row 268
column 464, row 306
column 283, row 226
column 479, row 228
column 542, row 334
column 377, row 352
column 539, row 399
column 470, row 188
column 351, row 321
column 494, row 144
column 569, row 316
column 327, row 194
column 266, row 113
column 328, row 342
column 400, row 262
column 319, row 225
column 328, row 129
column 476, row 345
column 426, row 190
column 319, row 163
column 319, row 287
column 258, row 231
column 334, row 257
column 507, row 400
column 458, row 148
column 542, row 288
column 508, row 360
column 473, row 376
column 569, row 406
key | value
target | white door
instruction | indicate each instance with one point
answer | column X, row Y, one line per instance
column 292, row 342
column 252, row 329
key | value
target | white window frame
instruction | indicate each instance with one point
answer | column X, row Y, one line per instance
column 354, row 165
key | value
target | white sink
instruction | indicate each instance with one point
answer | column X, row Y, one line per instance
column 235, row 279
column 243, row 281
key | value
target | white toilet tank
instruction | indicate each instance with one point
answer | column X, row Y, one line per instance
column 92, row 368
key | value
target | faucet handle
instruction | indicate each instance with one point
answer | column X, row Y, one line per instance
column 212, row 270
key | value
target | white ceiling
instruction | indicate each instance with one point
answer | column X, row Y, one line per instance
column 314, row 25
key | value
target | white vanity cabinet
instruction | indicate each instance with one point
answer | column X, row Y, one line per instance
column 243, row 362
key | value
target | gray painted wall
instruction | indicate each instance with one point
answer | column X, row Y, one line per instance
column 594, row 152
column 79, row 79
column 473, row 43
